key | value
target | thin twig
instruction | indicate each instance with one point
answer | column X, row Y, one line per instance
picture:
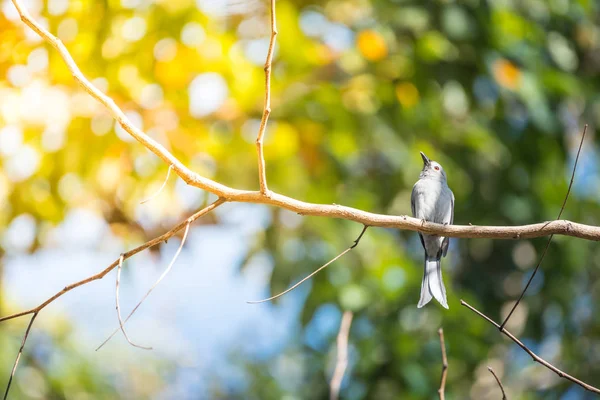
column 442, row 389
column 112, row 266
column 161, row 187
column 119, row 308
column 262, row 174
column 14, row 369
column 531, row 353
column 315, row 272
column 342, row 356
column 499, row 383
column 562, row 208
column 165, row 272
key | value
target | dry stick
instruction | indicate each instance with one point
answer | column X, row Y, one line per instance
column 119, row 308
column 324, row 210
column 531, row 353
column 499, row 383
column 442, row 389
column 12, row 374
column 112, row 266
column 562, row 208
column 315, row 272
column 262, row 174
column 342, row 356
column 165, row 272
column 161, row 187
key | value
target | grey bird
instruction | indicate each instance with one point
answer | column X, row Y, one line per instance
column 433, row 201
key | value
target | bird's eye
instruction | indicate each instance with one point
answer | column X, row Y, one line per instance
column 436, row 168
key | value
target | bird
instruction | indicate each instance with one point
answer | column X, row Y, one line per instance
column 433, row 201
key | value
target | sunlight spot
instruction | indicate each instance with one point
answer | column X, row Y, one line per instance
column 207, row 93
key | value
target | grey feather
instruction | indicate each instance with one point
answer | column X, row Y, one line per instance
column 432, row 200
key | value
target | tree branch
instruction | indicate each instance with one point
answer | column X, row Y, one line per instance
column 262, row 174
column 499, row 383
column 342, row 356
column 332, row 211
column 442, row 389
column 165, row 272
column 161, row 186
column 120, row 266
column 12, row 374
column 531, row 353
column 112, row 266
column 562, row 208
column 356, row 241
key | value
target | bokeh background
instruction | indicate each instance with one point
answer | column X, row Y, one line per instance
column 497, row 91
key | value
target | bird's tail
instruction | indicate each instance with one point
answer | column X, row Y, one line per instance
column 433, row 285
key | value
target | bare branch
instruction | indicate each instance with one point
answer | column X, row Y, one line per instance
column 119, row 308
column 442, row 389
column 562, row 208
column 531, row 353
column 499, row 383
column 262, row 174
column 315, row 272
column 342, row 355
column 324, row 210
column 12, row 374
column 112, row 266
column 161, row 187
column 165, row 272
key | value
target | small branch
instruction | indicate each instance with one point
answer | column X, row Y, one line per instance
column 112, row 266
column 562, row 208
column 342, row 356
column 315, row 272
column 161, row 187
column 442, row 389
column 531, row 353
column 499, row 383
column 119, row 308
column 165, row 272
column 262, row 174
column 12, row 374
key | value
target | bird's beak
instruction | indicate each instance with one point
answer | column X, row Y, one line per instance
column 426, row 160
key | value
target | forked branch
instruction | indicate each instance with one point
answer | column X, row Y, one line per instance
column 36, row 310
column 165, row 272
column 323, row 210
column 535, row 357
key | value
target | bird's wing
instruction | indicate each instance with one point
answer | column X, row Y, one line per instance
column 412, row 201
column 413, row 207
column 446, row 241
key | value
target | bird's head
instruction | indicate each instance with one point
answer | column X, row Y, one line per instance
column 432, row 169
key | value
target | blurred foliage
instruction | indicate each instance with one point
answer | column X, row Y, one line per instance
column 496, row 91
